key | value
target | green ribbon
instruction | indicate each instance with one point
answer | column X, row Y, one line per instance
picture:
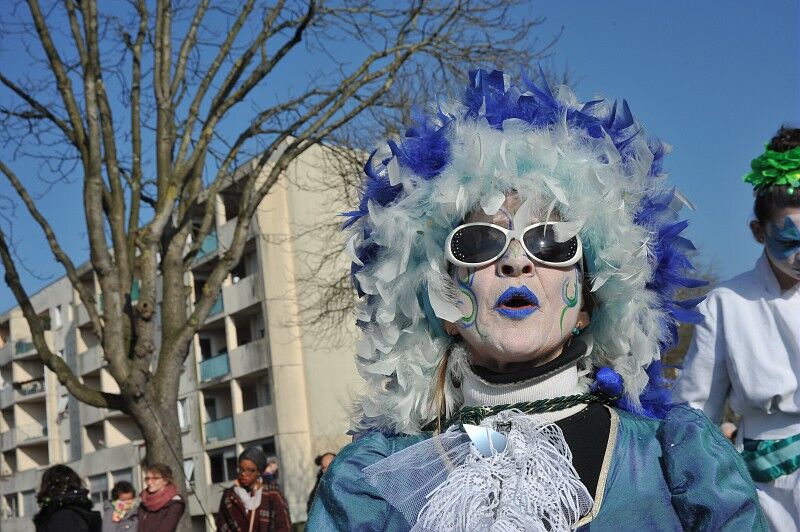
column 769, row 459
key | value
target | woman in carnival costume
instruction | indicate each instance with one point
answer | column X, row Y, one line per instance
column 747, row 349
column 516, row 255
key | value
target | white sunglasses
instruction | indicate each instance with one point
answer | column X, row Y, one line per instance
column 477, row 244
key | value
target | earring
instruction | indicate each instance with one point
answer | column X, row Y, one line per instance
column 576, row 331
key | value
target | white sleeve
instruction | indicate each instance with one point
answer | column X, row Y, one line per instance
column 704, row 381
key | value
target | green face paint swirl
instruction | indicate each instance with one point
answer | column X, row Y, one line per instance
column 570, row 300
column 465, row 286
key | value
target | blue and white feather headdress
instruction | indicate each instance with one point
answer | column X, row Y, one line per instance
column 591, row 161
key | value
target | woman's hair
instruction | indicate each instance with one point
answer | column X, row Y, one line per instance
column 123, row 486
column 771, row 199
column 318, row 459
column 162, row 469
column 58, row 480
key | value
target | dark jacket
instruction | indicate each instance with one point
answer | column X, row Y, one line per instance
column 272, row 515
column 165, row 519
column 128, row 523
column 69, row 513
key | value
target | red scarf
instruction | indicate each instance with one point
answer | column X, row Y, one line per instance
column 153, row 502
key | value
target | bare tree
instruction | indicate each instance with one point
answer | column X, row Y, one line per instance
column 152, row 105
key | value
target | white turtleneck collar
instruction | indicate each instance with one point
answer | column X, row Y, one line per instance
column 565, row 381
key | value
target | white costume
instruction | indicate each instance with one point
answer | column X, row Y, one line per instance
column 748, row 350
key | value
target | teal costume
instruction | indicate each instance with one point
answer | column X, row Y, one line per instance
column 590, row 171
column 679, row 473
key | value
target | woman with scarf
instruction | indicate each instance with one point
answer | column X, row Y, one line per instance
column 250, row 505
column 517, row 255
column 120, row 513
column 64, row 504
column 161, row 506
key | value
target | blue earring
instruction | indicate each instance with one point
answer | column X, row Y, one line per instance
column 576, row 331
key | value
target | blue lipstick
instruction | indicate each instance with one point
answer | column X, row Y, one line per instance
column 517, row 303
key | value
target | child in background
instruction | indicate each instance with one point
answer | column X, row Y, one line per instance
column 747, row 350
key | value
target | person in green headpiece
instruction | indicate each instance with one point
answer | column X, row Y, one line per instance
column 747, row 349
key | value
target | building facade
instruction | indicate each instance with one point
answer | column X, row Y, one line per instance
column 255, row 374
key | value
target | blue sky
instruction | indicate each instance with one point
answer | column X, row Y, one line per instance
column 714, row 79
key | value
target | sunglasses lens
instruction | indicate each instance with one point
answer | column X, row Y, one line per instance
column 475, row 244
column 541, row 241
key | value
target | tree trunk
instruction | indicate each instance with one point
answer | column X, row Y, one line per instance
column 161, row 431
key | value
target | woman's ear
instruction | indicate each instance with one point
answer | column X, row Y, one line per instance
column 758, row 231
column 584, row 319
column 450, row 328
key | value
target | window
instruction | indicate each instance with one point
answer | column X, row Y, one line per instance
column 123, row 474
column 249, row 396
column 9, row 508
column 183, row 415
column 267, row 445
column 58, row 319
column 223, row 465
column 211, row 408
column 267, row 390
column 29, row 506
column 205, row 348
column 188, row 472
column 98, row 488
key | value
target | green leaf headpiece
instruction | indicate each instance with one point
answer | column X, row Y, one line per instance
column 773, row 168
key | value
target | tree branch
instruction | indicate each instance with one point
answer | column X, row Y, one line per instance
column 72, row 273
column 53, row 362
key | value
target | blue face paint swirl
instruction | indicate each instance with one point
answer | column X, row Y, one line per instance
column 783, row 243
column 517, row 303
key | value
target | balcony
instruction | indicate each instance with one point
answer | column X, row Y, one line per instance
column 25, row 348
column 208, row 247
column 5, row 354
column 32, row 387
column 249, row 358
column 91, row 360
column 8, row 440
column 92, row 414
column 215, row 367
column 218, row 307
column 242, row 294
column 221, row 429
column 226, row 233
column 30, row 433
column 256, row 423
column 6, row 395
column 22, row 347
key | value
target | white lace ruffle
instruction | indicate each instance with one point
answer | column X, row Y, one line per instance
column 445, row 483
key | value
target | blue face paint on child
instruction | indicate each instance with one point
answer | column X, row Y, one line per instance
column 783, row 243
column 783, row 246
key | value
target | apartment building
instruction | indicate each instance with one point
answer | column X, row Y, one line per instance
column 255, row 373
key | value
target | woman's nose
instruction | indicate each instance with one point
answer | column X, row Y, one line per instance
column 515, row 262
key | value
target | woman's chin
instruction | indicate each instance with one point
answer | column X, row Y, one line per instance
column 511, row 359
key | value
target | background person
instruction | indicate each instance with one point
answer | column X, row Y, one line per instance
column 161, row 505
column 120, row 513
column 747, row 349
column 64, row 504
column 249, row 505
column 322, row 461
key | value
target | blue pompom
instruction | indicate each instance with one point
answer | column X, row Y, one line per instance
column 608, row 382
